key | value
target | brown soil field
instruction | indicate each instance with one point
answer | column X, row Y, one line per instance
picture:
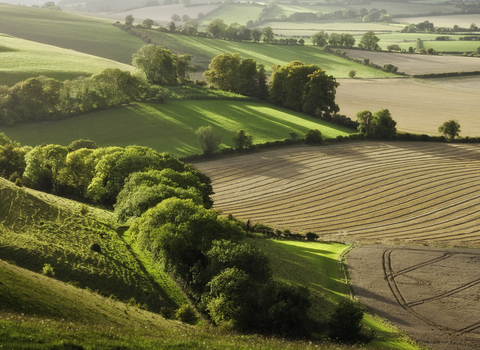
column 417, row 107
column 431, row 293
column 414, row 64
column 382, row 192
column 466, row 83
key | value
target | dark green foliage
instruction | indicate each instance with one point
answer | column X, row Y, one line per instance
column 369, row 41
column 303, row 87
column 209, row 142
column 450, row 129
column 113, row 169
column 311, row 236
column 161, row 66
column 186, row 314
column 229, row 72
column 313, row 137
column 179, row 233
column 384, row 127
column 345, row 324
column 12, row 158
column 242, row 139
column 42, row 98
column 95, row 247
column 81, row 143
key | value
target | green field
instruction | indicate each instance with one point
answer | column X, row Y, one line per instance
column 170, row 127
column 22, row 59
column 233, row 13
column 405, row 40
column 89, row 35
column 203, row 50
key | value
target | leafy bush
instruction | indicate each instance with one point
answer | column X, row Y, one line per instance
column 345, row 324
column 48, row 270
column 352, row 73
column 186, row 314
column 313, row 137
column 311, row 236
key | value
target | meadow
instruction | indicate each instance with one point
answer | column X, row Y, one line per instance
column 232, row 13
column 205, row 49
column 171, row 127
column 22, row 59
column 89, row 35
column 449, row 21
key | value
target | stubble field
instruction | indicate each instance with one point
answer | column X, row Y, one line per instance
column 382, row 192
column 417, row 107
column 423, row 194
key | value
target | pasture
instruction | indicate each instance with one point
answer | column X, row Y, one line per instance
column 171, row 127
column 417, row 107
column 203, row 50
column 431, row 292
column 22, row 59
column 89, row 35
column 231, row 13
column 381, row 192
column 162, row 14
column 416, row 64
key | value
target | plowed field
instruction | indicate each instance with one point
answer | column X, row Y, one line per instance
column 427, row 193
column 431, row 293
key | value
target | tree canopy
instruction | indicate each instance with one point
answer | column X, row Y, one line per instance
column 450, row 129
column 303, row 87
column 369, row 41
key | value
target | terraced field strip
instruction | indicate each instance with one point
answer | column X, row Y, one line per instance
column 358, row 192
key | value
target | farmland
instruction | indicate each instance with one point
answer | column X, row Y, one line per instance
column 265, row 54
column 22, row 59
column 414, row 64
column 414, row 105
column 358, row 192
column 449, row 21
column 171, row 127
column 432, row 292
column 68, row 31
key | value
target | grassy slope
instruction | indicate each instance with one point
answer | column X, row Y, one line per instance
column 22, row 59
column 233, row 13
column 203, row 50
column 37, row 229
column 80, row 33
column 170, row 127
column 315, row 265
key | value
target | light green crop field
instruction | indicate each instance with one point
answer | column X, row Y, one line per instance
column 405, row 40
column 21, row 59
column 233, row 13
column 89, row 35
column 203, row 50
column 448, row 21
column 316, row 265
column 456, row 46
column 171, row 127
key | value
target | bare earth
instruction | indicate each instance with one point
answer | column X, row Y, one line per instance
column 414, row 64
column 421, row 194
column 381, row 192
column 417, row 107
column 431, row 293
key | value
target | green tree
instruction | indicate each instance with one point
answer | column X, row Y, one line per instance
column 171, row 26
column 303, row 87
column 394, row 48
column 268, row 35
column 450, row 129
column 129, row 20
column 352, row 73
column 313, row 137
column 345, row 323
column 175, row 18
column 190, row 28
column 365, row 120
column 216, row 28
column 256, row 34
column 44, row 165
column 347, row 40
column 209, row 142
column 335, row 39
column 242, row 139
column 147, row 23
column 162, row 67
column 320, row 38
column 369, row 41
column 81, row 143
column 383, row 127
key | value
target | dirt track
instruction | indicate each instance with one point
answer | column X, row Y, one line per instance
column 416, row 107
column 433, row 294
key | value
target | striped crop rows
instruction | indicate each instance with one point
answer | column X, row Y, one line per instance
column 373, row 191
